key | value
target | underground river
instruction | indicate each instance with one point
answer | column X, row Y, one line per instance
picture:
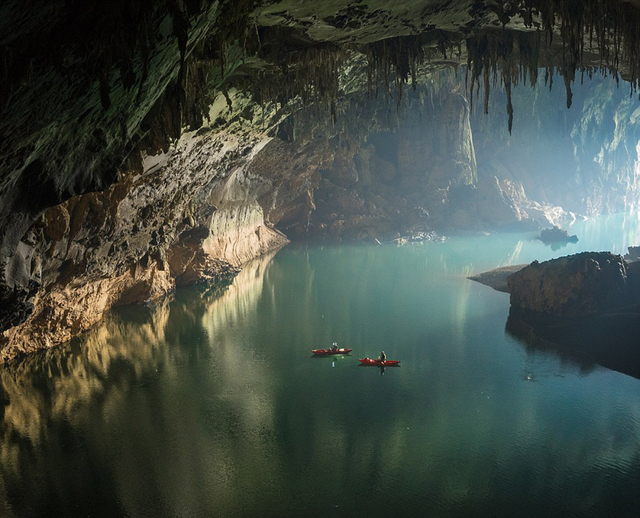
column 210, row 404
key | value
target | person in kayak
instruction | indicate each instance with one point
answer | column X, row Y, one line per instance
column 382, row 357
column 335, row 346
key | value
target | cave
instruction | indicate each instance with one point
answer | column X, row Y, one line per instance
column 197, row 194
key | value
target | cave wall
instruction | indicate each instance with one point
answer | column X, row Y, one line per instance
column 148, row 144
column 225, row 193
column 182, row 216
column 254, row 176
column 584, row 159
column 78, row 85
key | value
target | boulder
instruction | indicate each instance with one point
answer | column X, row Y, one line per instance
column 581, row 284
column 556, row 235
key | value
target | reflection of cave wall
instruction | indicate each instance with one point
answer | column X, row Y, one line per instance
column 90, row 389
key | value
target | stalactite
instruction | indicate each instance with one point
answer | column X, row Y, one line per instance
column 494, row 53
column 311, row 73
column 611, row 29
column 399, row 57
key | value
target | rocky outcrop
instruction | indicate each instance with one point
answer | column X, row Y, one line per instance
column 556, row 235
column 633, row 255
column 581, row 284
column 184, row 216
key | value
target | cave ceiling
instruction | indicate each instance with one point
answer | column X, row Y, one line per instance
column 83, row 83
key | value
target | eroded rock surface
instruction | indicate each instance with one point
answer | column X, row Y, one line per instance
column 184, row 216
column 581, row 284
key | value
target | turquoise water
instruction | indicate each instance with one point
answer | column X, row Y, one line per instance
column 211, row 404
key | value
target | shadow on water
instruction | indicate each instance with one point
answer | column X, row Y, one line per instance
column 557, row 245
column 611, row 340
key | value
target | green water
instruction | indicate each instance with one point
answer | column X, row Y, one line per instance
column 211, row 404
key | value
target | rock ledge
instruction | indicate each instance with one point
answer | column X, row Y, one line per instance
column 581, row 284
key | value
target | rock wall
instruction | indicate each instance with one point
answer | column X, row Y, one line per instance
column 386, row 169
column 183, row 216
column 80, row 86
column 584, row 159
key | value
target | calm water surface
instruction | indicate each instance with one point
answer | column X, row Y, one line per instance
column 211, row 405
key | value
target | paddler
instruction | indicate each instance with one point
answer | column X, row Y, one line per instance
column 383, row 357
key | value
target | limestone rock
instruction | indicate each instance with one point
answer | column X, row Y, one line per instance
column 188, row 215
column 556, row 235
column 500, row 204
column 633, row 255
column 581, row 284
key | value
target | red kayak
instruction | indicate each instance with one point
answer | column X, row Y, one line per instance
column 378, row 363
column 322, row 352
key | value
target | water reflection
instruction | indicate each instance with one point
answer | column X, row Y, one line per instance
column 557, row 245
column 113, row 412
column 611, row 341
column 210, row 404
column 536, row 346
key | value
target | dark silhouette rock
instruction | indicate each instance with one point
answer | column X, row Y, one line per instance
column 633, row 255
column 556, row 235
